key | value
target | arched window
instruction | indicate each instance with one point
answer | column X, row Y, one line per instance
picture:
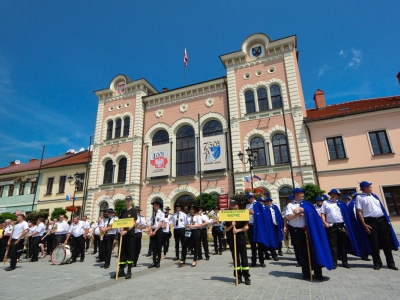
column 212, row 128
column 249, row 99
column 276, row 98
column 186, row 201
column 262, row 99
column 280, row 149
column 110, row 125
column 127, row 123
column 118, row 125
column 122, row 170
column 185, row 154
column 160, row 137
column 257, row 144
column 284, row 193
column 103, row 209
column 108, row 172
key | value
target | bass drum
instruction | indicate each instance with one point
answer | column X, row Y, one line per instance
column 61, row 255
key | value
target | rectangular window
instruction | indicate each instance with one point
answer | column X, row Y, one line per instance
column 61, row 185
column 33, row 187
column 379, row 142
column 10, row 190
column 21, row 188
column 79, row 183
column 1, row 190
column 336, row 148
column 49, row 185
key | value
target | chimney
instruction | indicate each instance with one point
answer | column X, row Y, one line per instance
column 33, row 160
column 12, row 163
column 398, row 77
column 319, row 98
column 166, row 89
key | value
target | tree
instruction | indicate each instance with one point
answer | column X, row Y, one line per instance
column 57, row 212
column 209, row 201
column 119, row 207
column 35, row 215
column 240, row 198
column 311, row 191
column 7, row 215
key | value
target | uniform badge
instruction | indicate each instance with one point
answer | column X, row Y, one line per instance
column 256, row 51
column 158, row 219
column 129, row 215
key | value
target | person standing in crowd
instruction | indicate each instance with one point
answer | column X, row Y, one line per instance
column 192, row 232
column 318, row 204
column 217, row 231
column 376, row 223
column 61, row 231
column 239, row 228
column 32, row 228
column 36, row 237
column 346, row 199
column 109, row 236
column 87, row 240
column 137, row 241
column 278, row 221
column 16, row 240
column 45, row 238
column 79, row 231
column 250, row 233
column 289, row 229
column 156, row 233
column 127, row 248
column 96, row 234
column 166, row 235
column 309, row 236
column 204, row 234
column 7, row 232
column 179, row 221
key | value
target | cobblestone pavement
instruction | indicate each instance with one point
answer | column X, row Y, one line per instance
column 211, row 279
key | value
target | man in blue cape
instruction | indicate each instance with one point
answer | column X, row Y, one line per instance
column 309, row 236
column 278, row 222
column 376, row 222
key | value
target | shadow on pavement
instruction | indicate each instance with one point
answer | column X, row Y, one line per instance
column 223, row 279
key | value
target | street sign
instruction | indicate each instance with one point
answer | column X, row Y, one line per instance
column 234, row 215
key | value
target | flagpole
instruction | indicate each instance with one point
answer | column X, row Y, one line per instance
column 37, row 178
column 201, row 190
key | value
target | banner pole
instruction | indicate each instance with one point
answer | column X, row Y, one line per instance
column 309, row 256
column 234, row 247
column 119, row 255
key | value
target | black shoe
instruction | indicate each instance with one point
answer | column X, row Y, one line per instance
column 393, row 267
column 9, row 269
column 134, row 265
column 345, row 264
column 280, row 253
column 81, row 260
column 220, row 253
column 247, row 281
column 175, row 258
column 207, row 257
column 148, row 254
column 157, row 265
column 253, row 265
column 268, row 258
column 93, row 253
column 306, row 277
column 240, row 280
column 153, row 265
column 334, row 266
column 128, row 275
column 298, row 265
column 263, row 265
column 377, row 267
column 73, row 260
column 215, row 253
column 275, row 258
column 200, row 258
column 121, row 273
column 106, row 266
column 319, row 277
column 365, row 258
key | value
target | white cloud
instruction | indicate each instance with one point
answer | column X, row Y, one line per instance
column 355, row 57
column 322, row 70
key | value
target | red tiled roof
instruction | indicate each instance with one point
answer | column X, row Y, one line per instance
column 352, row 107
column 78, row 158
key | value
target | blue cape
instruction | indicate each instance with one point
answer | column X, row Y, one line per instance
column 264, row 229
column 279, row 220
column 317, row 236
column 360, row 233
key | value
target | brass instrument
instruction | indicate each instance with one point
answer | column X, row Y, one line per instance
column 54, row 230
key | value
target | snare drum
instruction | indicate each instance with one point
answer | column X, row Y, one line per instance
column 61, row 255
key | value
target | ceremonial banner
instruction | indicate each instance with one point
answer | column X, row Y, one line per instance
column 234, row 215
column 123, row 223
column 212, row 151
column 158, row 160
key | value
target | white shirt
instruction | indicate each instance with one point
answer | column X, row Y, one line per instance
column 205, row 220
column 32, row 229
column 213, row 213
column 141, row 221
column 194, row 220
column 62, row 227
column 78, row 229
column 8, row 230
column 106, row 223
column 181, row 218
column 369, row 205
column 332, row 211
column 160, row 217
column 273, row 215
column 250, row 206
column 40, row 229
column 166, row 224
column 319, row 208
column 299, row 222
column 18, row 229
column 96, row 228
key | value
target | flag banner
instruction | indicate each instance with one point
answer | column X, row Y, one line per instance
column 212, row 151
column 247, row 178
column 185, row 58
column 256, row 177
column 158, row 161
column 68, row 197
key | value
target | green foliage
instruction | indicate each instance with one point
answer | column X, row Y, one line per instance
column 311, row 191
column 35, row 215
column 119, row 207
column 7, row 215
column 240, row 198
column 57, row 212
column 209, row 201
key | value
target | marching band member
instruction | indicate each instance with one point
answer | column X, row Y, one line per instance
column 109, row 236
column 96, row 234
column 61, row 231
column 4, row 240
column 204, row 234
column 192, row 232
column 156, row 234
column 79, row 231
column 376, row 223
column 318, row 204
column 346, row 199
column 32, row 228
column 36, row 237
column 16, row 240
column 277, row 219
column 290, row 229
column 137, row 241
column 166, row 234
column 253, row 245
column 238, row 227
column 89, row 235
column 217, row 231
column 179, row 221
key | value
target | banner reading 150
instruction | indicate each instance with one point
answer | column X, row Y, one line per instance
column 213, row 153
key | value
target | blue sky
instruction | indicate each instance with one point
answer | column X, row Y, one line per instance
column 54, row 54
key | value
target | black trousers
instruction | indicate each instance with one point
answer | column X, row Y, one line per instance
column 279, row 242
column 150, row 247
column 15, row 250
column 204, row 241
column 255, row 247
column 166, row 237
column 179, row 236
column 194, row 239
column 296, row 251
column 34, row 242
column 87, row 243
column 101, row 249
column 78, row 247
column 300, row 240
column 127, row 249
column 59, row 239
column 241, row 254
column 217, row 236
column 337, row 239
column 137, row 243
column 108, row 241
column 157, row 245
column 379, row 238
column 96, row 243
column 3, row 247
column 50, row 243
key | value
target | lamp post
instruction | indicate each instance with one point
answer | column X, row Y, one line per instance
column 78, row 181
column 252, row 156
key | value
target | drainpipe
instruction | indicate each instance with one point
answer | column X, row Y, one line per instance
column 314, row 165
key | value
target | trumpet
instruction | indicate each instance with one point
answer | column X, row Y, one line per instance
column 54, row 230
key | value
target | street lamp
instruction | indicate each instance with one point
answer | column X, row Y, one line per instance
column 252, row 156
column 78, row 181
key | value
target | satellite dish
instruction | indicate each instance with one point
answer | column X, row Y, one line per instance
column 17, row 162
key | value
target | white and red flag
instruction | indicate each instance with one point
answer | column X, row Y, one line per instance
column 185, row 58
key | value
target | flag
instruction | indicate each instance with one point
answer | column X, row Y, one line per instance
column 256, row 177
column 68, row 197
column 185, row 58
column 246, row 178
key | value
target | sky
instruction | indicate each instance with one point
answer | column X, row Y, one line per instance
column 54, row 54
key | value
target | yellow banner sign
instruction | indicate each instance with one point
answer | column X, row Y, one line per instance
column 123, row 223
column 234, row 215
